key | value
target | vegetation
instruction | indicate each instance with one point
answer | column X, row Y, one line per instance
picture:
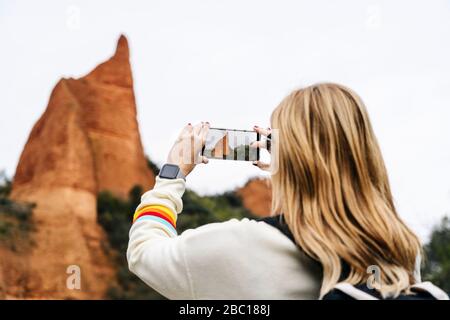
column 115, row 216
column 15, row 218
column 5, row 185
column 153, row 167
column 437, row 263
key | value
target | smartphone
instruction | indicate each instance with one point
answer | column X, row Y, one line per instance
column 231, row 144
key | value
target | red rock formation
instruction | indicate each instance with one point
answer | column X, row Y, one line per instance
column 88, row 138
column 256, row 196
column 86, row 141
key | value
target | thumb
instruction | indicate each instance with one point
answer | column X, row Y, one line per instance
column 262, row 165
column 204, row 159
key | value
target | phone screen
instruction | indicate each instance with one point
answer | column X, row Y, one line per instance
column 231, row 144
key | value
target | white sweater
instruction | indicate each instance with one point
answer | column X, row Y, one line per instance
column 237, row 259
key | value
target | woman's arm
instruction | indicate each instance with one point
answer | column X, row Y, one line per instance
column 236, row 259
column 154, row 251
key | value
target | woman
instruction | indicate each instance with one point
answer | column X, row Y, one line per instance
column 332, row 188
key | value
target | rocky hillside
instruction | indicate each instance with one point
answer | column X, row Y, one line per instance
column 86, row 141
column 81, row 160
column 256, row 196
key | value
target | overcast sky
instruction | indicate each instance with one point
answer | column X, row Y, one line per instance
column 231, row 62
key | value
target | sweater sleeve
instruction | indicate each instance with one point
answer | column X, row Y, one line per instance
column 235, row 259
column 154, row 251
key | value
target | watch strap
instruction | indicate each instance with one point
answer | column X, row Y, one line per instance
column 180, row 175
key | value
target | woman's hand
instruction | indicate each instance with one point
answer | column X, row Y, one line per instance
column 266, row 144
column 186, row 151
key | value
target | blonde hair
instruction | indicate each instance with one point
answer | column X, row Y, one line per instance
column 332, row 187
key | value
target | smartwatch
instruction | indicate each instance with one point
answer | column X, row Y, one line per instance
column 171, row 171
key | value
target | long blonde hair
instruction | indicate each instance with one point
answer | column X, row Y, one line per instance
column 332, row 186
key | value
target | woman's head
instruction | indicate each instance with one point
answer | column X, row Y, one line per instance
column 332, row 186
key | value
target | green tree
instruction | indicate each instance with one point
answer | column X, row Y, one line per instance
column 115, row 216
column 15, row 218
column 437, row 262
column 152, row 166
column 5, row 184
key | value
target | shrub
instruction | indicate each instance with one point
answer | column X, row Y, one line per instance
column 437, row 262
column 5, row 185
column 15, row 219
column 115, row 216
column 152, row 166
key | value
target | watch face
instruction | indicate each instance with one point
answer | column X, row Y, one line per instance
column 169, row 171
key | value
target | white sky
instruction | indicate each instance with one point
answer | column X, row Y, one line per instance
column 231, row 62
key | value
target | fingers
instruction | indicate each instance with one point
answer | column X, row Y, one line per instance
column 201, row 159
column 197, row 128
column 262, row 131
column 204, row 132
column 200, row 130
column 204, row 159
column 197, row 140
column 186, row 129
column 185, row 132
column 262, row 165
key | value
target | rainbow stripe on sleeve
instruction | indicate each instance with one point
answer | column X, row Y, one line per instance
column 157, row 213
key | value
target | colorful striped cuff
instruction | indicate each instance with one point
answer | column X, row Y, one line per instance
column 162, row 221
column 161, row 212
